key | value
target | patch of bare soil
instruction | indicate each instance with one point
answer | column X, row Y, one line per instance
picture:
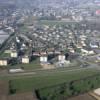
column 22, row 96
column 47, row 66
column 82, row 97
column 3, row 90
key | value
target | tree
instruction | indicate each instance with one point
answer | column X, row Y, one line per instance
column 12, row 90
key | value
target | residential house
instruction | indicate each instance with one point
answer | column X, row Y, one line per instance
column 14, row 54
column 3, row 62
column 25, row 60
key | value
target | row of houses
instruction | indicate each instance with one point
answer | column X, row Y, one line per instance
column 44, row 59
column 5, row 61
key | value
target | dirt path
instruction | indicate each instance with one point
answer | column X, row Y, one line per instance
column 82, row 97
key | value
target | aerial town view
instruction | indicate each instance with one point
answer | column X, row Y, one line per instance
column 49, row 49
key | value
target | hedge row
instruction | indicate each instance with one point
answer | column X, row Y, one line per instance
column 66, row 90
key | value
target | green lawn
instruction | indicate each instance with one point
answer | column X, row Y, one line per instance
column 72, row 88
column 41, row 80
column 3, row 55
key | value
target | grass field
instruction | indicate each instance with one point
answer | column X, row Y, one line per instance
column 41, row 80
column 69, row 89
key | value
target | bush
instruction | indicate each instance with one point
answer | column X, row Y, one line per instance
column 11, row 89
column 70, row 89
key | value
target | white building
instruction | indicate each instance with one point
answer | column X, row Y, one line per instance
column 57, row 52
column 25, row 60
column 83, row 43
column 94, row 45
column 14, row 54
column 83, row 37
column 61, row 57
column 3, row 62
column 72, row 50
column 43, row 59
column 87, row 52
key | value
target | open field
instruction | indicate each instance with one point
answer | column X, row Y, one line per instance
column 42, row 80
column 69, row 89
